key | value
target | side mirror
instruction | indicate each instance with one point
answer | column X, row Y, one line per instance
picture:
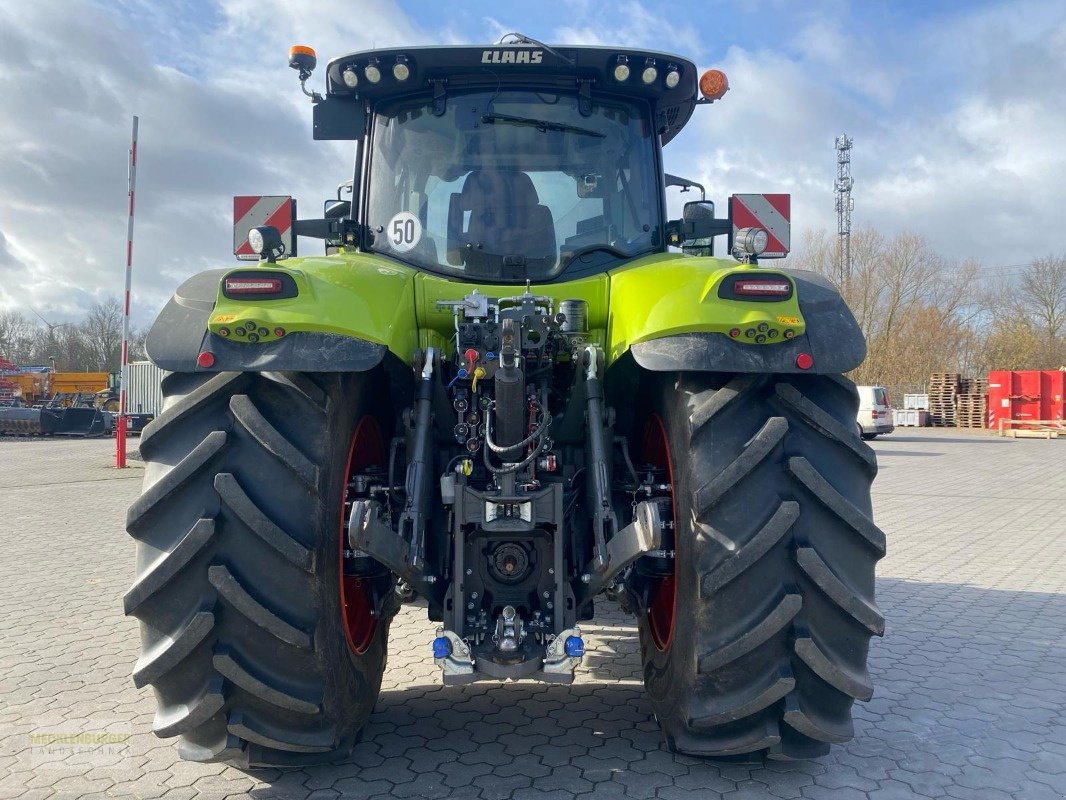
column 694, row 233
column 698, row 222
column 337, row 209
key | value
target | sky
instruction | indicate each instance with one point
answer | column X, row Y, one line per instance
column 956, row 109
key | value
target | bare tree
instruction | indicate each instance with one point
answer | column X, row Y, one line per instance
column 102, row 334
column 16, row 336
column 93, row 344
column 1010, row 344
column 138, row 338
column 919, row 313
column 816, row 254
column 1043, row 291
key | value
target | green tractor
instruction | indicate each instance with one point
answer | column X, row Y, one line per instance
column 511, row 387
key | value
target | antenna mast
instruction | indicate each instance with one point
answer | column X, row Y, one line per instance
column 845, row 205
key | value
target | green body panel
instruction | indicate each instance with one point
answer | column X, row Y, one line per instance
column 352, row 294
column 380, row 300
column 668, row 293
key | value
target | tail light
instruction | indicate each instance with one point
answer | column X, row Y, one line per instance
column 259, row 284
column 762, row 287
column 253, row 286
column 767, row 288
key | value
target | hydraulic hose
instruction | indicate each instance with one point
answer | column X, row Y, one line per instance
column 500, row 450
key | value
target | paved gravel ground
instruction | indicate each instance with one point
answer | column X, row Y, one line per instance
column 969, row 701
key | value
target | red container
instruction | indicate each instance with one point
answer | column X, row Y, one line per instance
column 1026, row 395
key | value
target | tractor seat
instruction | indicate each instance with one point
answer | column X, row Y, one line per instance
column 508, row 232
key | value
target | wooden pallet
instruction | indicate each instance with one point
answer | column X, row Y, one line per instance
column 1046, row 433
column 943, row 388
column 974, row 386
column 971, row 411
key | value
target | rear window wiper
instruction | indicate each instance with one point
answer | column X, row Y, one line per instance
column 541, row 124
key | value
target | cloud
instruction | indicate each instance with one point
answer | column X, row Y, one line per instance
column 220, row 115
column 7, row 259
column 627, row 24
column 964, row 147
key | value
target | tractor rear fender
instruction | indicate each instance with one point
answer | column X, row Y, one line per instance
column 681, row 314
column 334, row 314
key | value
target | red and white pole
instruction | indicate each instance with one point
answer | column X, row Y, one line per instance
column 120, row 423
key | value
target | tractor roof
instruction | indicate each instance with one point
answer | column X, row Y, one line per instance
column 587, row 71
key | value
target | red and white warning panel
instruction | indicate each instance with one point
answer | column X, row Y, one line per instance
column 771, row 212
column 255, row 211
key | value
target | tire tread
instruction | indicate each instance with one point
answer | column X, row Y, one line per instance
column 169, row 651
column 237, row 500
column 169, row 564
column 236, row 591
column 780, row 553
column 251, row 419
column 773, row 623
column 238, row 598
column 231, row 667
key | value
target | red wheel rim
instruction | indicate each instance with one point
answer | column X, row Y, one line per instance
column 367, row 449
column 662, row 599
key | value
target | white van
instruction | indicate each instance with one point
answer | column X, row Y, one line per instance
column 875, row 414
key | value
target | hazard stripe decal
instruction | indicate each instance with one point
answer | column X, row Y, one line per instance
column 254, row 211
column 242, row 205
column 770, row 212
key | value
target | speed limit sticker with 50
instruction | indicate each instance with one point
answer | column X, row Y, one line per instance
column 404, row 231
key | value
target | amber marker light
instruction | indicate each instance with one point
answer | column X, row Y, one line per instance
column 713, row 84
column 301, row 54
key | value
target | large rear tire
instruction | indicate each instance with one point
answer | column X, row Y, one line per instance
column 757, row 645
column 239, row 587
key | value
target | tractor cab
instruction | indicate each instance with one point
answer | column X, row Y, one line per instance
column 513, row 163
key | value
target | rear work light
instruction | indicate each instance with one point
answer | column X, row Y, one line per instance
column 762, row 287
column 253, row 286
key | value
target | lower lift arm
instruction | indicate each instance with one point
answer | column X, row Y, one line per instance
column 614, row 549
